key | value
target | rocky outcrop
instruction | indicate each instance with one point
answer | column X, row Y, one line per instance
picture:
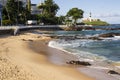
column 95, row 38
column 113, row 72
column 73, row 37
column 79, row 63
column 109, row 35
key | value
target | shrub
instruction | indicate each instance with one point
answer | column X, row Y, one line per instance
column 96, row 23
column 7, row 22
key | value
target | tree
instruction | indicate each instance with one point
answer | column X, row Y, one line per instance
column 75, row 13
column 49, row 7
column 49, row 11
column 61, row 20
column 16, row 10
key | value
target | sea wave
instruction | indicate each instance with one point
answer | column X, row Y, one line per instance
column 81, row 55
column 111, row 38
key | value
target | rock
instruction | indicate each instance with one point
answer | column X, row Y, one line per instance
column 71, row 62
column 89, row 28
column 79, row 63
column 109, row 34
column 113, row 72
column 27, row 40
column 30, row 40
column 95, row 38
column 24, row 39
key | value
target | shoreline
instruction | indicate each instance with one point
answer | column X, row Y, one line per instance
column 19, row 59
column 97, row 71
column 60, row 57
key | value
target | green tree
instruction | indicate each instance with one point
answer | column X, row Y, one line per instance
column 49, row 10
column 49, row 7
column 61, row 19
column 13, row 9
column 5, row 14
column 15, row 12
column 75, row 13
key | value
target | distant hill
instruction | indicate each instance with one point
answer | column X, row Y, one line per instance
column 96, row 23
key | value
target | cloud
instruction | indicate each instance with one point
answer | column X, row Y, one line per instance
column 107, row 15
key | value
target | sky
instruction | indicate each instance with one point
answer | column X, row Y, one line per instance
column 106, row 10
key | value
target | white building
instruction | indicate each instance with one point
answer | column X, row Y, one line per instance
column 90, row 19
column 35, row 10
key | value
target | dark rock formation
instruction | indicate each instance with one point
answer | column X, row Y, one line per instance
column 30, row 40
column 113, row 72
column 79, row 63
column 109, row 35
column 95, row 38
column 27, row 40
column 73, row 37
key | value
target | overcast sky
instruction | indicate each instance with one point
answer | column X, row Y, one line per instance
column 108, row 10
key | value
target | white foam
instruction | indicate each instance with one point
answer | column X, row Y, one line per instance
column 82, row 55
column 71, row 43
column 112, row 38
column 118, row 37
column 87, row 60
column 53, row 44
column 99, row 67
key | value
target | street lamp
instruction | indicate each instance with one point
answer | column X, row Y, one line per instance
column 1, row 13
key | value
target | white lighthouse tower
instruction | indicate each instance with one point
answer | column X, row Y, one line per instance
column 90, row 19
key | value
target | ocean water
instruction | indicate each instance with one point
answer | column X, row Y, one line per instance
column 102, row 54
column 91, row 51
column 97, row 52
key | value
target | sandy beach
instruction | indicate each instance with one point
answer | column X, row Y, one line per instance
column 25, row 57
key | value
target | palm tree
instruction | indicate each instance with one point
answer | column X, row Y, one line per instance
column 49, row 10
column 29, row 5
column 49, row 7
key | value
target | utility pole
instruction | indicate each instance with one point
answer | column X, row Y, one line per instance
column 18, row 12
column 29, row 5
column 1, row 14
column 41, row 3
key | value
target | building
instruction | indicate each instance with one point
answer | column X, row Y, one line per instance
column 90, row 19
column 35, row 10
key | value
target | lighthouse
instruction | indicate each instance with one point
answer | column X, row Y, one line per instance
column 90, row 19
